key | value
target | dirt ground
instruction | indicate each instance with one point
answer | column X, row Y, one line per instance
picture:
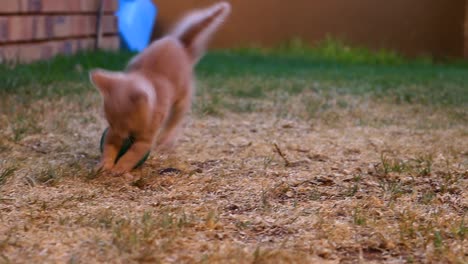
column 379, row 183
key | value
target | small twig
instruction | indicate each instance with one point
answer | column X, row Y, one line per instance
column 31, row 148
column 31, row 181
column 282, row 155
column 303, row 182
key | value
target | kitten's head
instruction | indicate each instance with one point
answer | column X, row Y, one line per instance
column 127, row 99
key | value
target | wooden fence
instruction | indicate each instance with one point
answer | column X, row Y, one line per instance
column 410, row 27
column 39, row 29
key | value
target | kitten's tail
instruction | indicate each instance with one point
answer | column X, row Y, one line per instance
column 196, row 29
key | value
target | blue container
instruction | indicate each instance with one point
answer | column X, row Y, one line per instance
column 136, row 20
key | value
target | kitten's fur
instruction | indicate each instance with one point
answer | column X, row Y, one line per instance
column 149, row 99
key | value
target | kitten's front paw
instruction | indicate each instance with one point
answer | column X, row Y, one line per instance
column 125, row 175
column 118, row 171
column 104, row 166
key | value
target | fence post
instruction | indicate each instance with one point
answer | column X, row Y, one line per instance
column 99, row 24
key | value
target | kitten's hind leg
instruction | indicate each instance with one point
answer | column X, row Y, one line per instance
column 168, row 134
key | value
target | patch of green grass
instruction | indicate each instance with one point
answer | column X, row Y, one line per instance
column 24, row 125
column 339, row 68
column 392, row 165
column 438, row 240
column 419, row 166
column 253, row 91
column 210, row 104
column 461, row 229
column 138, row 235
column 62, row 75
column 242, row 106
column 252, row 73
column 337, row 50
column 49, row 175
column 354, row 188
column 424, row 165
column 406, row 83
column 6, row 173
column 428, row 197
column 358, row 217
column 393, row 189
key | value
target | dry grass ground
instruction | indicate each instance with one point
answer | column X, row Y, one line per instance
column 304, row 177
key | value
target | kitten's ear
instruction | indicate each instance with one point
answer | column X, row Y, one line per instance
column 102, row 79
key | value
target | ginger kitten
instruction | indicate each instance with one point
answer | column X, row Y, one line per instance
column 149, row 99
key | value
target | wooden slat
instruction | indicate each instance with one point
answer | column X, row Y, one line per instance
column 3, row 29
column 9, row 6
column 110, row 43
column 37, row 27
column 29, row 52
column 54, row 6
column 76, row 5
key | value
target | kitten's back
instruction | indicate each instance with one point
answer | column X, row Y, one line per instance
column 164, row 58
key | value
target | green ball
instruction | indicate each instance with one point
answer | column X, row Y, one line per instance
column 128, row 142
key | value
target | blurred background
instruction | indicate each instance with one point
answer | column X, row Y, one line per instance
column 39, row 29
column 411, row 27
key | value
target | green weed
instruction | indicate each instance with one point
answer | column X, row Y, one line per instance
column 358, row 217
column 6, row 173
column 392, row 165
